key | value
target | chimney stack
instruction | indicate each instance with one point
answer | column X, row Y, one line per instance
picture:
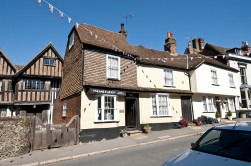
column 245, row 48
column 195, row 44
column 201, row 44
column 190, row 48
column 170, row 43
column 122, row 30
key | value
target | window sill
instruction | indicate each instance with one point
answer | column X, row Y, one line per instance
column 167, row 116
column 50, row 65
column 208, row 112
column 173, row 86
column 113, row 79
column 112, row 121
column 215, row 84
column 233, row 87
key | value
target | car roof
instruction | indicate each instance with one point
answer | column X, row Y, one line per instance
column 245, row 126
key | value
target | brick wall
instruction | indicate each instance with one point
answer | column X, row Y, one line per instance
column 73, row 108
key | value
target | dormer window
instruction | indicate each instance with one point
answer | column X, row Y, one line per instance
column 49, row 61
column 71, row 40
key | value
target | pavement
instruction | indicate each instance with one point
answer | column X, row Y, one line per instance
column 49, row 156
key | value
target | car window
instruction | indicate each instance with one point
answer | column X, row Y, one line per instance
column 228, row 143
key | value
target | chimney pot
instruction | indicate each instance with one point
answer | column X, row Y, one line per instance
column 170, row 43
column 122, row 30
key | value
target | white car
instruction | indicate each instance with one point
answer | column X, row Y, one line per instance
column 224, row 145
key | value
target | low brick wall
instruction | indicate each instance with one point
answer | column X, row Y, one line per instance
column 14, row 137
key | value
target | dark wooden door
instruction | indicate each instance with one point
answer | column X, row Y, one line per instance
column 132, row 111
column 186, row 108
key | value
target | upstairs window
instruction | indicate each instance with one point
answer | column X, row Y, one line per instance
column 71, row 40
column 10, row 86
column 1, row 85
column 168, row 78
column 34, row 84
column 243, row 75
column 231, row 80
column 49, row 61
column 113, row 67
column 214, row 77
column 160, row 105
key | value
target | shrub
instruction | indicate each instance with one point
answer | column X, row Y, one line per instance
column 147, row 127
column 242, row 112
column 229, row 113
column 217, row 114
column 183, row 122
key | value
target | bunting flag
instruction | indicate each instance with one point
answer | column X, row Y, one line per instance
column 61, row 14
column 39, row 2
column 77, row 24
column 51, row 8
column 69, row 19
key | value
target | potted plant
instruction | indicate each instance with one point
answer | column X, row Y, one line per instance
column 242, row 114
column 183, row 122
column 198, row 122
column 123, row 132
column 217, row 115
column 147, row 128
column 229, row 115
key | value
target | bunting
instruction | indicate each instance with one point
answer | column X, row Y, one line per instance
column 51, row 8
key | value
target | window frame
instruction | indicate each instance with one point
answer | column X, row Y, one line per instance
column 155, row 100
column 231, row 80
column 1, row 85
column 243, row 74
column 109, row 67
column 71, row 40
column 214, row 77
column 168, row 77
column 10, row 87
column 102, row 109
column 49, row 61
column 209, row 104
column 33, row 84
column 64, row 110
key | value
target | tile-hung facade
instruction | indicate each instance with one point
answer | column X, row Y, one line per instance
column 36, row 85
column 7, row 70
column 238, row 58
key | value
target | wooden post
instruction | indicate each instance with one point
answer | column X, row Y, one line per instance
column 33, row 129
column 77, row 129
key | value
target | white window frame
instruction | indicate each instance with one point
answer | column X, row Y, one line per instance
column 243, row 74
column 209, row 102
column 102, row 109
column 64, row 110
column 155, row 105
column 49, row 61
column 168, row 77
column 112, row 69
column 71, row 40
column 231, row 80
column 1, row 85
column 214, row 77
column 34, row 84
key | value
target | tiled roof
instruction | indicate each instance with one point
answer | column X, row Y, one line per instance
column 19, row 67
column 212, row 50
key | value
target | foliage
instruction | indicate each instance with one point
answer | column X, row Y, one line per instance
column 229, row 113
column 1, row 126
column 26, row 123
column 183, row 122
column 217, row 114
column 147, row 127
column 242, row 112
column 123, row 131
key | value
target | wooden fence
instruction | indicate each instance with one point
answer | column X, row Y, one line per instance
column 45, row 136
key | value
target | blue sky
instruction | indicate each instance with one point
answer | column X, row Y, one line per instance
column 26, row 28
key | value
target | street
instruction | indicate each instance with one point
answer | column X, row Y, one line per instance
column 149, row 155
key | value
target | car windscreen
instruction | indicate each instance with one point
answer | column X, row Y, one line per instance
column 234, row 144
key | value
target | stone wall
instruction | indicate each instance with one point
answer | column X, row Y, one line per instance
column 14, row 137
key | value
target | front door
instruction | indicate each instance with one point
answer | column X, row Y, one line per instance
column 186, row 108
column 132, row 111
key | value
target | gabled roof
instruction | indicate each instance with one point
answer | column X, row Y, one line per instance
column 8, row 60
column 24, row 68
column 212, row 50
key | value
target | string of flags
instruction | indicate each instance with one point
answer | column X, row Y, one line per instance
column 53, row 8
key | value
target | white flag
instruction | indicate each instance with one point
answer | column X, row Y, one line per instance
column 69, row 19
column 39, row 2
column 51, row 8
column 61, row 14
